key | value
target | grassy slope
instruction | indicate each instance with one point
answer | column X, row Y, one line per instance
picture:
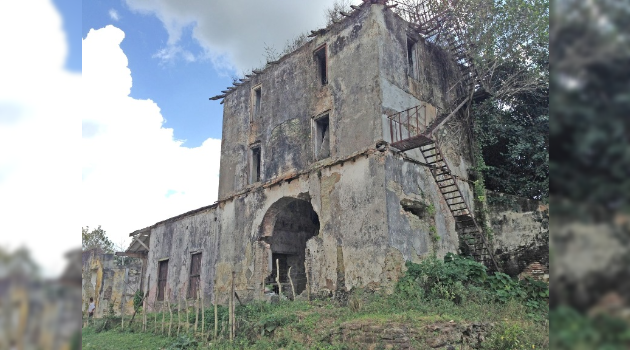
column 298, row 325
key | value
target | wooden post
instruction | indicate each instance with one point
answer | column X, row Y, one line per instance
column 154, row 318
column 170, row 312
column 197, row 312
column 179, row 310
column 308, row 283
column 187, row 318
column 291, row 281
column 163, row 314
column 203, row 313
column 230, row 316
column 232, row 308
column 144, row 312
column 122, row 300
column 278, row 277
column 186, row 306
column 216, row 314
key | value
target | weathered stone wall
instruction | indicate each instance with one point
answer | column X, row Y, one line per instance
column 374, row 209
column 108, row 280
column 521, row 232
column 351, row 248
column 292, row 95
column 420, row 223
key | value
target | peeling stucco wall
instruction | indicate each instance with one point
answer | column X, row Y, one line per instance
column 292, row 95
column 374, row 206
column 109, row 280
column 521, row 231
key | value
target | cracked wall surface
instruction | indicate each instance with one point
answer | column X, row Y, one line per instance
column 521, row 232
column 375, row 206
column 109, row 280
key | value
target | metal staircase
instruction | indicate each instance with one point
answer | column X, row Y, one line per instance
column 473, row 240
column 410, row 128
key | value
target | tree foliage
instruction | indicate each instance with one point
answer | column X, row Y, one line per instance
column 507, row 41
column 96, row 238
column 590, row 127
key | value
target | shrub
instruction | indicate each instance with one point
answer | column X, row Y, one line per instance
column 458, row 279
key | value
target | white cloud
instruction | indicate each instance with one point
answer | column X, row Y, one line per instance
column 234, row 33
column 39, row 135
column 113, row 14
column 169, row 54
column 134, row 173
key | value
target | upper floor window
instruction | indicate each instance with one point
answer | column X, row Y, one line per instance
column 322, row 137
column 322, row 64
column 256, row 100
column 255, row 160
column 411, row 56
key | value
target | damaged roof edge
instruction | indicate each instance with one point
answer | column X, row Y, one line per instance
column 314, row 33
column 148, row 228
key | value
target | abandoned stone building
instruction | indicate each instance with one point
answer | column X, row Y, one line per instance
column 337, row 166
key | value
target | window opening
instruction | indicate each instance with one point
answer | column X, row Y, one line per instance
column 255, row 165
column 322, row 137
column 411, row 56
column 162, row 276
column 257, row 98
column 320, row 59
column 195, row 274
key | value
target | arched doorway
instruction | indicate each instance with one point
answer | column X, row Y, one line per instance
column 288, row 224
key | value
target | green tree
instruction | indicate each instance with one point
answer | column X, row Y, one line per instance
column 506, row 45
column 96, row 238
column 590, row 127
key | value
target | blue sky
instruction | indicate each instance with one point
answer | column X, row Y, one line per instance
column 151, row 136
column 94, row 110
column 179, row 87
column 203, row 64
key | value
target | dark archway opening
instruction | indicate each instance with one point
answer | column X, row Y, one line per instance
column 295, row 223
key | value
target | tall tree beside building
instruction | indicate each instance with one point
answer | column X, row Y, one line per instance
column 96, row 238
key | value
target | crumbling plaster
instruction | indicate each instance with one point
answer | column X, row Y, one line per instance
column 291, row 95
column 376, row 207
column 521, row 232
column 109, row 281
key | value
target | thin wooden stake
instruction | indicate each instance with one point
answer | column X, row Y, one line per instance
column 163, row 314
column 179, row 310
column 291, row 281
column 216, row 314
column 230, row 317
column 232, row 308
column 308, row 284
column 144, row 312
column 196, row 312
column 122, row 312
column 278, row 277
column 155, row 318
column 203, row 313
column 187, row 323
column 170, row 311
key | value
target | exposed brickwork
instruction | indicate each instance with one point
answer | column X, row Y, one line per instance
column 536, row 271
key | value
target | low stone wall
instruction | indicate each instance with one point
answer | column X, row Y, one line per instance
column 110, row 280
column 521, row 232
column 369, row 335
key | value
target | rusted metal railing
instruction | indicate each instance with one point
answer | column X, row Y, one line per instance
column 406, row 124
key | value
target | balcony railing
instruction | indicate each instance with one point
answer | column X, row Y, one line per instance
column 407, row 128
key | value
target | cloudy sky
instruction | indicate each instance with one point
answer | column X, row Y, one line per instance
column 104, row 112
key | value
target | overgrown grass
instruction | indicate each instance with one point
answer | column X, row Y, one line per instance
column 434, row 291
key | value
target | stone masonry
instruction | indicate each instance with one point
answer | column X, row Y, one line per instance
column 308, row 181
